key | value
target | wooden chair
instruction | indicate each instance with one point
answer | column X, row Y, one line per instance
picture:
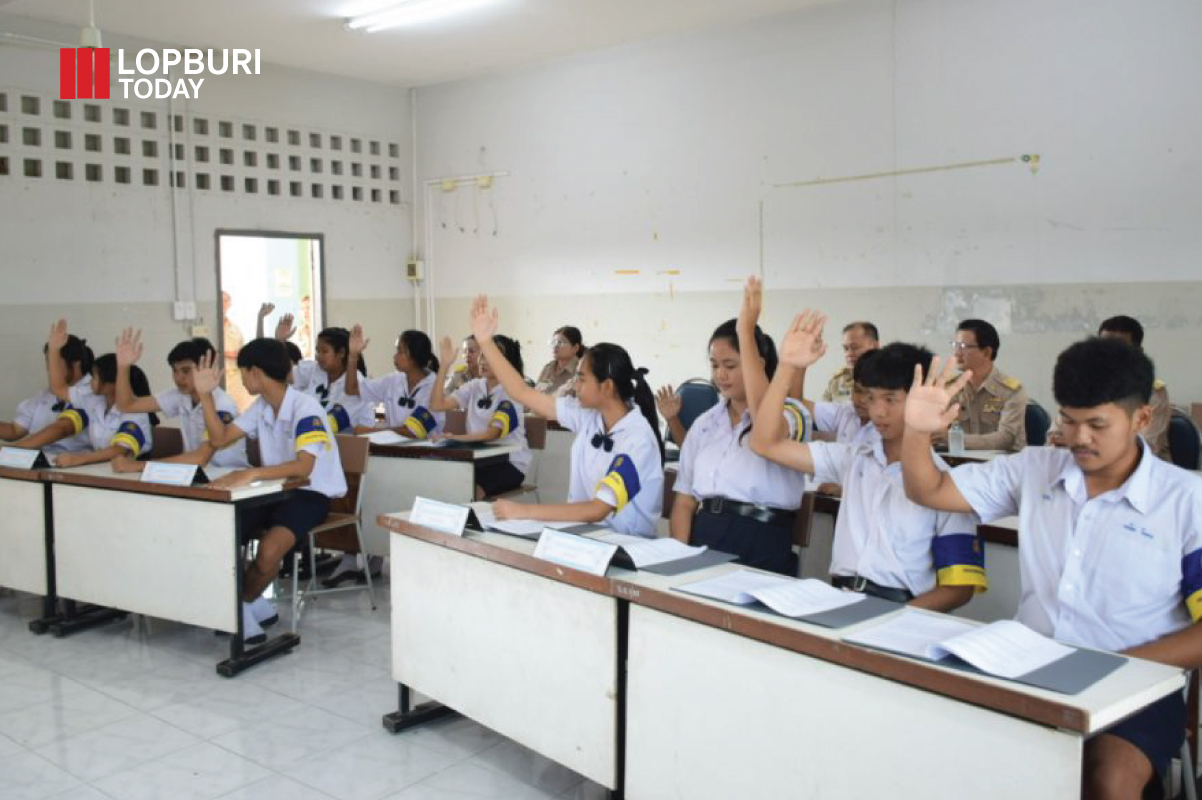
column 536, row 438
column 167, row 442
column 345, row 511
column 455, row 421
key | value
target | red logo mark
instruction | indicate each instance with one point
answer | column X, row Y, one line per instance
column 79, row 68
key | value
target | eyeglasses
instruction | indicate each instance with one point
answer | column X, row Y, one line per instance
column 559, row 342
column 961, row 346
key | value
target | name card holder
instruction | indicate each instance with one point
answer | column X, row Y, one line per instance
column 577, row 552
column 21, row 458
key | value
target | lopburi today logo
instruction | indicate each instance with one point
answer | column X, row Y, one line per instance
column 85, row 72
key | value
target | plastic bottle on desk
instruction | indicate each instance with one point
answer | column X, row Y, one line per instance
column 955, row 440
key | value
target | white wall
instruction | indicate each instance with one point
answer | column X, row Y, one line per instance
column 638, row 176
column 114, row 255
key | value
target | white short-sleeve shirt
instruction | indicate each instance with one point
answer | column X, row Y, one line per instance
column 485, row 408
column 1112, row 572
column 301, row 425
column 174, row 403
column 403, row 407
column 42, row 410
column 105, row 426
column 716, row 460
column 882, row 535
column 344, row 413
column 627, row 475
column 306, row 375
column 840, row 419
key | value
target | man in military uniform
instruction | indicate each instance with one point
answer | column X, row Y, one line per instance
column 858, row 339
column 993, row 405
column 1157, row 433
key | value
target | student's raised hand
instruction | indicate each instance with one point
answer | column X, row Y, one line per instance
column 207, row 376
column 357, row 343
column 447, row 351
column 265, row 310
column 668, row 402
column 57, row 338
column 284, row 329
column 507, row 509
column 929, row 406
column 803, row 345
column 242, row 477
column 129, row 347
column 753, row 303
column 484, row 323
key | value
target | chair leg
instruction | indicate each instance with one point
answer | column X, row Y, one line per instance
column 1189, row 778
column 295, row 590
column 371, row 592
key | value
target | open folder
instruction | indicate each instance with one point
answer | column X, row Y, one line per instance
column 1005, row 649
column 809, row 600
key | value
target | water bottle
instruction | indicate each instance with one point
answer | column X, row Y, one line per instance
column 955, row 440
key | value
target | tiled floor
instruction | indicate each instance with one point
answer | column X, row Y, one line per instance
column 136, row 710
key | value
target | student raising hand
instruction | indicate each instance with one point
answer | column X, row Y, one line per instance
column 129, row 347
column 447, row 351
column 803, row 345
column 57, row 338
column 356, row 344
column 753, row 303
column 929, row 406
column 284, row 329
column 484, row 323
column 208, row 374
column 669, row 404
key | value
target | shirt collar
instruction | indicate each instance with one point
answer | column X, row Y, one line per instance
column 1135, row 490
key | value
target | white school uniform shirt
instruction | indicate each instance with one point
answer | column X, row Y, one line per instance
column 403, row 407
column 104, row 426
column 629, row 477
column 506, row 414
column 306, row 374
column 43, row 409
column 840, row 419
column 343, row 412
column 716, row 460
column 174, row 403
column 300, row 426
column 1112, row 572
column 882, row 535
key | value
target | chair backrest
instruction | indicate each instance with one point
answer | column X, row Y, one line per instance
column 167, row 442
column 1038, row 421
column 456, row 421
column 1185, row 442
column 536, row 432
column 353, row 453
column 669, row 493
column 253, row 457
column 697, row 395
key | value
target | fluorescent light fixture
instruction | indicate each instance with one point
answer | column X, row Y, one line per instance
column 411, row 12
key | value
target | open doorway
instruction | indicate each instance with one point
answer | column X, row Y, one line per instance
column 257, row 267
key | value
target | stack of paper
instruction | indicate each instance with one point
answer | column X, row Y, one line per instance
column 786, row 596
column 648, row 552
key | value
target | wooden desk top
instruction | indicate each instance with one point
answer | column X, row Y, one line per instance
column 442, row 453
column 101, row 476
column 1124, row 691
column 31, row 475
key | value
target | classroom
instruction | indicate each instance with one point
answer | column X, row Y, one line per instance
column 515, row 250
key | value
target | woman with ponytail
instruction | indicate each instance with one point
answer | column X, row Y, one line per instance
column 405, row 393
column 333, row 355
column 727, row 497
column 617, row 474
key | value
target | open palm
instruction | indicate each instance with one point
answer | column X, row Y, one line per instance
column 929, row 406
column 803, row 344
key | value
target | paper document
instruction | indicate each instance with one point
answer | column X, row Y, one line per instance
column 517, row 527
column 794, row 598
column 733, row 587
column 647, row 552
column 1005, row 648
column 387, row 437
column 911, row 632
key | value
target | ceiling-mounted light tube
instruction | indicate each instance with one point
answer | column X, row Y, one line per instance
column 412, row 12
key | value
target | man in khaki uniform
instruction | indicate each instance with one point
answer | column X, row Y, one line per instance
column 858, row 339
column 1157, row 433
column 993, row 405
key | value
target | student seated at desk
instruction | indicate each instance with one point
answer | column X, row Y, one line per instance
column 344, row 413
column 44, row 409
column 405, row 393
column 294, row 442
column 92, row 411
column 726, row 496
column 493, row 415
column 616, row 461
column 885, row 545
column 1110, row 548
column 182, row 401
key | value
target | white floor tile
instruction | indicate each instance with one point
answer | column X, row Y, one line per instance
column 231, row 705
column 200, row 772
column 27, row 776
column 368, row 768
column 289, row 737
column 116, row 747
column 277, row 787
column 468, row 780
column 527, row 766
column 70, row 714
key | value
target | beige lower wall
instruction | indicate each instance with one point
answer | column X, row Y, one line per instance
column 668, row 331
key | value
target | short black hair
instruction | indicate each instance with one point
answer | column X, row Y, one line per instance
column 512, row 351
column 75, row 351
column 1124, row 324
column 1098, row 371
column 294, row 352
column 985, row 334
column 269, row 355
column 893, row 366
column 191, row 350
column 868, row 328
column 857, row 372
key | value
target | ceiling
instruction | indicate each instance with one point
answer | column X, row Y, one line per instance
column 309, row 34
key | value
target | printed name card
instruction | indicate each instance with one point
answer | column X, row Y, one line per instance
column 168, row 473
column 444, row 517
column 577, row 552
column 20, row 458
